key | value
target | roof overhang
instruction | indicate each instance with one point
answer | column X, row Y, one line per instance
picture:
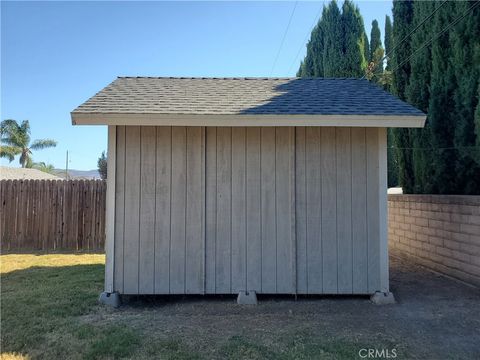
column 145, row 119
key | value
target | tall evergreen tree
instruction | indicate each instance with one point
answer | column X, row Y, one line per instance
column 375, row 40
column 477, row 128
column 375, row 70
column 465, row 60
column 366, row 47
column 417, row 94
column 353, row 31
column 333, row 40
column 388, row 40
column 392, row 165
column 441, row 104
column 102, row 166
column 402, row 16
column 442, row 78
column 337, row 45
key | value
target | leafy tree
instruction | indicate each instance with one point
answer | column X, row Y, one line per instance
column 15, row 140
column 102, row 165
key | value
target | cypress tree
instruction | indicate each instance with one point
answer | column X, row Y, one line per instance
column 337, row 45
column 417, row 94
column 366, row 48
column 333, row 39
column 317, row 52
column 477, row 129
column 402, row 15
column 375, row 40
column 392, row 165
column 375, row 71
column 465, row 62
column 388, row 40
column 441, row 105
column 443, row 79
column 353, row 30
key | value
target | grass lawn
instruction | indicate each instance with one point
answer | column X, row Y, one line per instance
column 49, row 310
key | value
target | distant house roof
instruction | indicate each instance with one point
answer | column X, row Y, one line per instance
column 168, row 101
column 11, row 173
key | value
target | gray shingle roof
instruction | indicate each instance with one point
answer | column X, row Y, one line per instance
column 233, row 96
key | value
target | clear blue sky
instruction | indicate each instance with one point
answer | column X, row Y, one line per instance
column 55, row 55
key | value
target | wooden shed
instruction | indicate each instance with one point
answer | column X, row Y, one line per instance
column 246, row 185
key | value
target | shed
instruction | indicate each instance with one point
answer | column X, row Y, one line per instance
column 246, row 185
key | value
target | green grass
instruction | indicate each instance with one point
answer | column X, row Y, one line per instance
column 49, row 310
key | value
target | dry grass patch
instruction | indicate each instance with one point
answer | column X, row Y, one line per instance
column 12, row 262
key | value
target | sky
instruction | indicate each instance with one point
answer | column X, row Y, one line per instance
column 55, row 55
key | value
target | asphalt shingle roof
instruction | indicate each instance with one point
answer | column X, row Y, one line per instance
column 252, row 96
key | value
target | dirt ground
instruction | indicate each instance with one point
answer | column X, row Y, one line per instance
column 434, row 318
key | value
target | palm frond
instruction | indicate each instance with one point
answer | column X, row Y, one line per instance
column 8, row 125
column 8, row 141
column 9, row 152
column 42, row 166
column 29, row 164
column 25, row 131
column 13, row 134
column 43, row 144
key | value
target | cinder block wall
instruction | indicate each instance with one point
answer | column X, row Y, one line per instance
column 441, row 232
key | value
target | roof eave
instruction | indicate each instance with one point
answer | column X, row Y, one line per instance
column 149, row 119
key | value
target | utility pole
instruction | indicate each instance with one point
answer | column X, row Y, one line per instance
column 66, row 168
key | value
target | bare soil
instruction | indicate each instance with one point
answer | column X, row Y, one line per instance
column 434, row 318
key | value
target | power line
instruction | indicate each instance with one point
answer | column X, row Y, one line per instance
column 306, row 37
column 407, row 36
column 453, row 23
column 434, row 148
column 283, row 39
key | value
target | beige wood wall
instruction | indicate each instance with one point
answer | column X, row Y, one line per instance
column 275, row 210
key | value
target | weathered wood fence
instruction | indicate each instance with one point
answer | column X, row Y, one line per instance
column 52, row 214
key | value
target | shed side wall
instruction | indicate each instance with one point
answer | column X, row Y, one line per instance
column 275, row 210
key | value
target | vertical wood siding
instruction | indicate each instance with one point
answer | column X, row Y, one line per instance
column 275, row 210
column 52, row 215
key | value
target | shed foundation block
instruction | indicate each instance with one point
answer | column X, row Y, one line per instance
column 110, row 299
column 382, row 298
column 247, row 298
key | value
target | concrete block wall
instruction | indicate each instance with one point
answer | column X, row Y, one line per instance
column 441, row 232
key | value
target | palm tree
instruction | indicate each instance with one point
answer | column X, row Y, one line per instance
column 15, row 140
column 47, row 168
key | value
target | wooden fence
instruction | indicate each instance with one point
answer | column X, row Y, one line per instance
column 52, row 214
